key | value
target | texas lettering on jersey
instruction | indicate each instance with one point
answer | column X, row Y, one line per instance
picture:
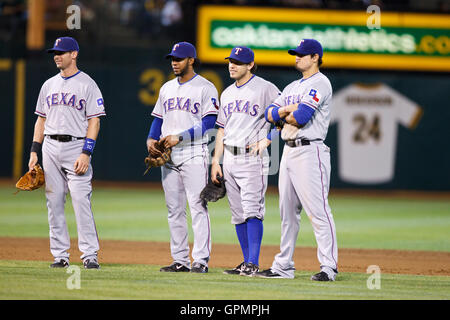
column 297, row 98
column 66, row 99
column 240, row 106
column 181, row 103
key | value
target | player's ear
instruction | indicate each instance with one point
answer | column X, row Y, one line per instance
column 74, row 54
column 250, row 65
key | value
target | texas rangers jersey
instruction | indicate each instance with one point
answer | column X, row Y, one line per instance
column 183, row 105
column 68, row 103
column 315, row 92
column 242, row 111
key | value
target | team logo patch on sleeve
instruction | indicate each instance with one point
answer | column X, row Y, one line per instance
column 315, row 95
column 214, row 102
column 100, row 102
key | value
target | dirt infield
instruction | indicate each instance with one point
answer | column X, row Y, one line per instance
column 226, row 256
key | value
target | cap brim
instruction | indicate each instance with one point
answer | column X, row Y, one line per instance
column 58, row 49
column 234, row 58
column 292, row 52
column 170, row 55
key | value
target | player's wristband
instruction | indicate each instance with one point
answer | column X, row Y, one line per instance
column 275, row 116
column 36, row 147
column 88, row 147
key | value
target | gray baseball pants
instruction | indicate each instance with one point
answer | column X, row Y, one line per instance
column 58, row 159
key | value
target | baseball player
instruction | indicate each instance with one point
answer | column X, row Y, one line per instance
column 242, row 141
column 68, row 110
column 187, row 106
column 304, row 177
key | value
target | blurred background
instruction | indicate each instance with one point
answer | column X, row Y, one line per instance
column 395, row 75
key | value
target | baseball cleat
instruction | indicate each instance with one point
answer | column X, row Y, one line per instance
column 267, row 274
column 249, row 269
column 321, row 276
column 199, row 268
column 60, row 264
column 91, row 264
column 235, row 271
column 175, row 267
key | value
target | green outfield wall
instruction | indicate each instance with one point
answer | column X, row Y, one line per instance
column 421, row 151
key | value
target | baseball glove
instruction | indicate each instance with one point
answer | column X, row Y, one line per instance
column 31, row 180
column 151, row 161
column 280, row 124
column 213, row 192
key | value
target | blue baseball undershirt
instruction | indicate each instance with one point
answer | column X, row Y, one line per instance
column 207, row 123
column 303, row 114
column 266, row 112
column 155, row 129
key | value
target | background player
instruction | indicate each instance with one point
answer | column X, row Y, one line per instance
column 304, row 177
column 68, row 109
column 241, row 139
column 186, row 108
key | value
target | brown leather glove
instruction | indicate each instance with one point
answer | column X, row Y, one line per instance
column 31, row 180
column 151, row 161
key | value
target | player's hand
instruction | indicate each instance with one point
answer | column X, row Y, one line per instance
column 81, row 164
column 216, row 170
column 257, row 148
column 170, row 141
column 290, row 119
column 154, row 152
column 33, row 161
column 291, row 108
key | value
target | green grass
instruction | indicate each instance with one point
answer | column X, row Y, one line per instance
column 35, row 280
column 125, row 214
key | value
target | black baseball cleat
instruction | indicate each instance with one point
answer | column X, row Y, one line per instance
column 267, row 274
column 60, row 264
column 175, row 267
column 235, row 271
column 249, row 269
column 91, row 264
column 321, row 276
column 199, row 268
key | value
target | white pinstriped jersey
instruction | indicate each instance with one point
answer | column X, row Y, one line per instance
column 68, row 103
column 182, row 106
column 242, row 111
column 315, row 92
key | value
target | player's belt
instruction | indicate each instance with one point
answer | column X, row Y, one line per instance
column 237, row 150
column 63, row 137
column 299, row 142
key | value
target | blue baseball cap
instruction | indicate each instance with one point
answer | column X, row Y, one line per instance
column 65, row 44
column 182, row 50
column 242, row 54
column 307, row 46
